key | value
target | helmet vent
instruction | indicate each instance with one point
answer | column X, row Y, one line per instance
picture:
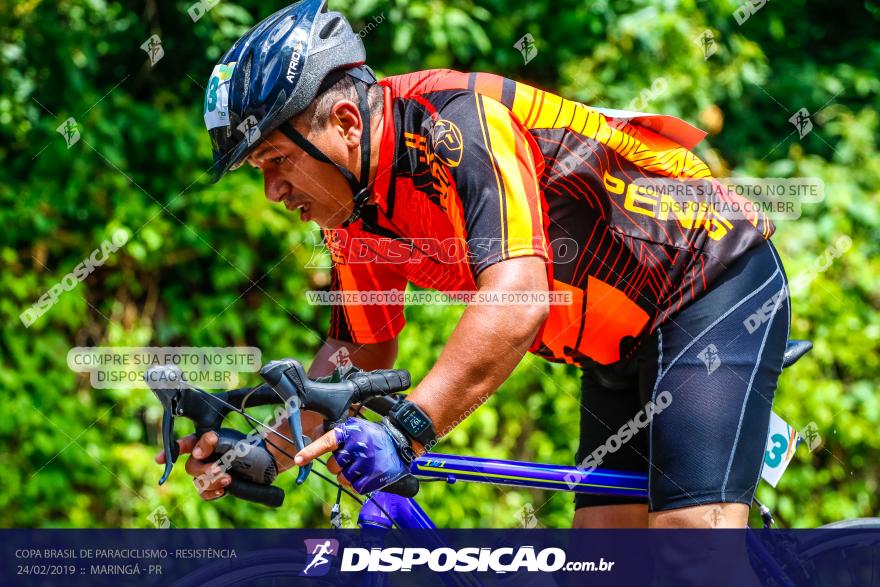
column 330, row 28
column 246, row 70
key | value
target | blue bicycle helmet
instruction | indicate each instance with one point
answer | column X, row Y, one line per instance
column 273, row 73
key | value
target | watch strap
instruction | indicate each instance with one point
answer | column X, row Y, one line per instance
column 403, row 445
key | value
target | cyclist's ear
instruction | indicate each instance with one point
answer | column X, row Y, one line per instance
column 323, row 445
column 346, row 116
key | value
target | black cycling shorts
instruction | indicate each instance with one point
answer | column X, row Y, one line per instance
column 712, row 369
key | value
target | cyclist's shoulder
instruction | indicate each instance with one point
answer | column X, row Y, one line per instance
column 439, row 87
column 428, row 81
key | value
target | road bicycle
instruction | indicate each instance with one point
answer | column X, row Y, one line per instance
column 782, row 562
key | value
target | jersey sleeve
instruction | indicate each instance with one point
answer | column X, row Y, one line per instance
column 365, row 310
column 495, row 177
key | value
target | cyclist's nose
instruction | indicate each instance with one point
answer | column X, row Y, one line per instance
column 275, row 187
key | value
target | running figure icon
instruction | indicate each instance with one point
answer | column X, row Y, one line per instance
column 318, row 555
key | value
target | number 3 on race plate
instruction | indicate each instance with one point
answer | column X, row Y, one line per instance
column 217, row 96
column 782, row 440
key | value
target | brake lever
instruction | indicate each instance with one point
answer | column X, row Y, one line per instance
column 172, row 449
column 275, row 374
column 332, row 399
column 286, row 382
column 169, row 397
column 206, row 410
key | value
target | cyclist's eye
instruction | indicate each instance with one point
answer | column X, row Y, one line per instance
column 279, row 160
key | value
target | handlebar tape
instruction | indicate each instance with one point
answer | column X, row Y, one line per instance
column 381, row 382
column 268, row 495
column 407, row 486
column 381, row 405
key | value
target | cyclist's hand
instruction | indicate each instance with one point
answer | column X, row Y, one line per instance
column 208, row 477
column 367, row 457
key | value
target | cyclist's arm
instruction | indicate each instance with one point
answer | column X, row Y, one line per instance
column 370, row 333
column 364, row 335
column 497, row 182
column 486, row 345
column 369, row 357
column 495, row 175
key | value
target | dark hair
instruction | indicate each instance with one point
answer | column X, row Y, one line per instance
column 318, row 112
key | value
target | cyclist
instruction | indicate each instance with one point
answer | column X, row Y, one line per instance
column 470, row 182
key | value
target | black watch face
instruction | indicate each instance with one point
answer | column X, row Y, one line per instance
column 413, row 421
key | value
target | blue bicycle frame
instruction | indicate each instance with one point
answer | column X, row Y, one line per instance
column 387, row 509
column 406, row 513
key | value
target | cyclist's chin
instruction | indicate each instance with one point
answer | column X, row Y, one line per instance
column 328, row 218
column 321, row 222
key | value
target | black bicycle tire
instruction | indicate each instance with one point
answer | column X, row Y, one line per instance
column 820, row 543
column 854, row 523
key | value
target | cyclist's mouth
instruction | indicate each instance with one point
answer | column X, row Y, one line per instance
column 303, row 207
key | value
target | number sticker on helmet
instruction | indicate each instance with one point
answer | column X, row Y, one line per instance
column 217, row 96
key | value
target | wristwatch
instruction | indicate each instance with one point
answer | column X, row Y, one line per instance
column 413, row 422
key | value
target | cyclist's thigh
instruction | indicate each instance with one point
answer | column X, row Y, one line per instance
column 604, row 409
column 717, row 365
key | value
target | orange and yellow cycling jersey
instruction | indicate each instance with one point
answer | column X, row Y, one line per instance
column 475, row 169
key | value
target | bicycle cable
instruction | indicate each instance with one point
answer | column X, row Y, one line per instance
column 340, row 489
column 253, row 422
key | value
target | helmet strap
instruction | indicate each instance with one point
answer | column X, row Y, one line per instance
column 359, row 188
column 362, row 195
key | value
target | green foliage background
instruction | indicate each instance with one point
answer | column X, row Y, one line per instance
column 220, row 266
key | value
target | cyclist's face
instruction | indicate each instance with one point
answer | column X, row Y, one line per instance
column 303, row 183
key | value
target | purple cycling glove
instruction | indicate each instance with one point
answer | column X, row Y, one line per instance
column 369, row 455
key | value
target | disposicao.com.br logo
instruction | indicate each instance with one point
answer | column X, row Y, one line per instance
column 470, row 559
